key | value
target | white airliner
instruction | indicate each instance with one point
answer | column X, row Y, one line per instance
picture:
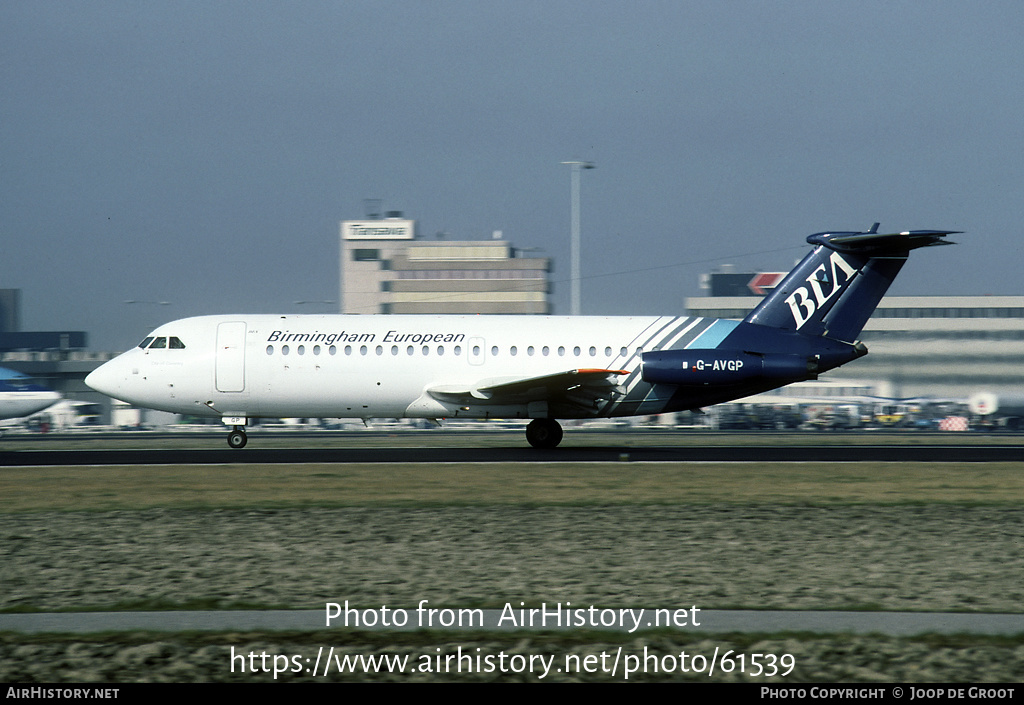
column 542, row 368
column 20, row 397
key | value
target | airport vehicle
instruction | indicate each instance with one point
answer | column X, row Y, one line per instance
column 20, row 397
column 998, row 410
column 65, row 415
column 544, row 368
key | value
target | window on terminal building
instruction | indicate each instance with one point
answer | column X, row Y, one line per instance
column 365, row 255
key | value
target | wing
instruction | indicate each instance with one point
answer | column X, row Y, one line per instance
column 584, row 387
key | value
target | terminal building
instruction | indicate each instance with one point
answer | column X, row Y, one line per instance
column 387, row 268
column 935, row 346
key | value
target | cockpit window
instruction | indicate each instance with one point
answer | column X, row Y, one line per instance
column 172, row 342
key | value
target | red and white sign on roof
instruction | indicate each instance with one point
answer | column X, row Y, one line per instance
column 763, row 282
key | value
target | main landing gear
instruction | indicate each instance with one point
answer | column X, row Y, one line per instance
column 237, row 438
column 544, row 433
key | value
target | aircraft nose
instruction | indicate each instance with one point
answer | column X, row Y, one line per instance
column 105, row 379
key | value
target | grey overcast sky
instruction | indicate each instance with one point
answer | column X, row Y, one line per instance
column 202, row 153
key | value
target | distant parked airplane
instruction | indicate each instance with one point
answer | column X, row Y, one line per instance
column 19, row 397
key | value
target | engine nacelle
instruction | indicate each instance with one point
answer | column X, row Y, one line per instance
column 701, row 367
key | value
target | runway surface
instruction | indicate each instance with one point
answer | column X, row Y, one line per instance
column 519, row 454
column 717, row 621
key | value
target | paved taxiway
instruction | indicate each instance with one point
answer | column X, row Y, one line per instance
column 717, row 621
column 521, row 454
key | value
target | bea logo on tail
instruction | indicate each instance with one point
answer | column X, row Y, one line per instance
column 801, row 303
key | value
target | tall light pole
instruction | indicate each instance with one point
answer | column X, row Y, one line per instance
column 574, row 240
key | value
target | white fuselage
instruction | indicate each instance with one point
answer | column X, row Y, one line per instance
column 390, row 366
column 19, row 396
column 17, row 403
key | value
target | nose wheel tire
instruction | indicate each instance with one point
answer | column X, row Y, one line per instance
column 237, row 438
column 544, row 433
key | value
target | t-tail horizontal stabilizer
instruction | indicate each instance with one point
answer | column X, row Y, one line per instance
column 836, row 287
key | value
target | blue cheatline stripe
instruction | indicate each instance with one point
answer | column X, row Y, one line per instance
column 714, row 335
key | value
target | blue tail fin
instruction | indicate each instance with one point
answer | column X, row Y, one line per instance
column 836, row 287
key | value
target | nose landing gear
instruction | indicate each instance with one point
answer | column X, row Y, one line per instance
column 237, row 438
